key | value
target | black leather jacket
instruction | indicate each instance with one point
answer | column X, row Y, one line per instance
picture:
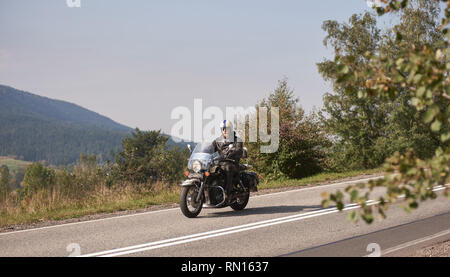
column 222, row 146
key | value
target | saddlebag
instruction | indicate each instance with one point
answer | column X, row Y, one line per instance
column 250, row 180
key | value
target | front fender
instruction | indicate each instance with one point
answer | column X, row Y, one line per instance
column 190, row 182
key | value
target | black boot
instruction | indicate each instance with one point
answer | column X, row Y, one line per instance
column 229, row 195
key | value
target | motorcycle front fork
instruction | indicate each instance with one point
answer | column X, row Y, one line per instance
column 200, row 192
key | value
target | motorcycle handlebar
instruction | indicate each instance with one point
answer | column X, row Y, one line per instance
column 222, row 159
column 228, row 160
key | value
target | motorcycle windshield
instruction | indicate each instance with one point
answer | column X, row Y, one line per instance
column 204, row 147
column 202, row 153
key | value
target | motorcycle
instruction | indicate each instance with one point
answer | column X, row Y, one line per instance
column 205, row 183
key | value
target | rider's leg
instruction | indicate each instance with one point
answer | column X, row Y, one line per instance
column 229, row 170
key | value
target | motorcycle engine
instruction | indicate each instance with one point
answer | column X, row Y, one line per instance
column 215, row 195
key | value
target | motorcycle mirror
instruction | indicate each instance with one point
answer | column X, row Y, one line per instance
column 244, row 153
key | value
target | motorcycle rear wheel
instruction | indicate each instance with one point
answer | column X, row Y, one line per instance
column 188, row 206
column 241, row 203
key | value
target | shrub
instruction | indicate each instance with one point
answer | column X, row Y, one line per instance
column 37, row 177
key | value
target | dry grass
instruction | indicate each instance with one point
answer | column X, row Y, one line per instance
column 55, row 205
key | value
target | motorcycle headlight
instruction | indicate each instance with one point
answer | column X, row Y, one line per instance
column 196, row 166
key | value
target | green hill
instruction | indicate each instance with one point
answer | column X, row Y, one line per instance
column 36, row 128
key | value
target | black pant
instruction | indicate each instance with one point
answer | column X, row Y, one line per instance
column 230, row 169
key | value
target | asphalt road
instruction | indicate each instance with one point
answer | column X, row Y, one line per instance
column 290, row 223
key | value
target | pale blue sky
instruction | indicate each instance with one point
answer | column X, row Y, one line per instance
column 134, row 61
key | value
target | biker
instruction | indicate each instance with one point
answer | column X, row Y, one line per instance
column 233, row 154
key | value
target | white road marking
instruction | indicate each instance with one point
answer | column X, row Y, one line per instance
column 216, row 233
column 87, row 221
column 320, row 186
column 225, row 231
column 413, row 242
column 172, row 209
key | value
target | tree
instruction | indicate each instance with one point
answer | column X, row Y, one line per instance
column 301, row 141
column 4, row 181
column 422, row 70
column 355, row 123
column 37, row 178
column 370, row 129
column 146, row 158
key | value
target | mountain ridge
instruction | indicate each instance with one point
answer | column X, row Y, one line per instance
column 52, row 108
column 37, row 128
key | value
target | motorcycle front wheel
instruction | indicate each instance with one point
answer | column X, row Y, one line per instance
column 188, row 205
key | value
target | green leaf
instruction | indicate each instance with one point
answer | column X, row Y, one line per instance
column 368, row 217
column 360, row 94
column 413, row 205
column 420, row 92
column 445, row 136
column 415, row 101
column 404, row 3
column 417, row 78
column 436, row 126
column 398, row 78
column 431, row 112
column 353, row 216
column 343, row 69
column 354, row 195
column 399, row 62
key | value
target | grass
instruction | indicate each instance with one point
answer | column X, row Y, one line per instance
column 13, row 164
column 42, row 208
column 316, row 179
column 104, row 200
